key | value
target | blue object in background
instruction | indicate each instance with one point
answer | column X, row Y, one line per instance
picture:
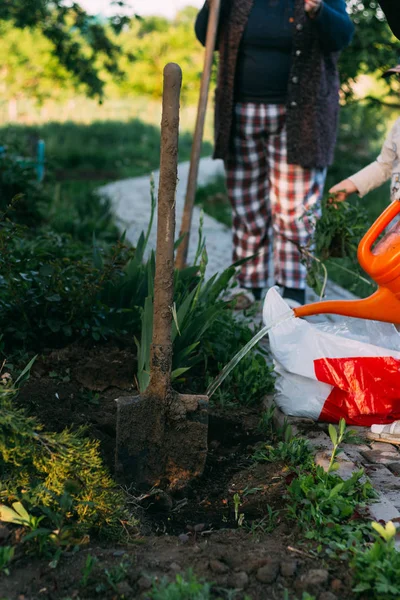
column 40, row 160
column 38, row 164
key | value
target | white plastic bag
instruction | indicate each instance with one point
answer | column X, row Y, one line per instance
column 328, row 371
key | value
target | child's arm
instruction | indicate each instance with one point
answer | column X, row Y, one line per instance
column 372, row 176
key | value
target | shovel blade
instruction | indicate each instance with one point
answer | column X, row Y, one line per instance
column 140, row 435
column 186, row 439
column 161, row 443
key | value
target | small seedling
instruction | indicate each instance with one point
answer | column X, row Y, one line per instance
column 338, row 436
column 182, row 588
column 267, row 524
column 6, row 556
column 90, row 563
column 236, row 503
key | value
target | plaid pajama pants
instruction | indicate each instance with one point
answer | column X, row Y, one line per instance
column 269, row 196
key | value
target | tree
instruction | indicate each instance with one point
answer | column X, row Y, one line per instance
column 27, row 75
column 78, row 39
column 374, row 47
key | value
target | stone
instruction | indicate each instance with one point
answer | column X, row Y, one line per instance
column 218, row 567
column 239, row 580
column 124, row 589
column 288, row 568
column 268, row 573
column 183, row 538
column 175, row 567
column 394, row 468
column 314, row 579
column 327, row 596
column 144, row 583
column 336, row 585
column 381, row 457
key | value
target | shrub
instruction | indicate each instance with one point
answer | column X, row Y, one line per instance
column 39, row 467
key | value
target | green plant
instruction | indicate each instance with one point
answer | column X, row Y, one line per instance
column 58, row 475
column 197, row 305
column 250, row 380
column 337, row 234
column 325, row 504
column 304, row 596
column 377, row 568
column 266, row 524
column 338, row 436
column 6, row 556
column 90, row 563
column 186, row 587
column 116, row 574
column 295, row 452
column 266, row 425
column 20, row 193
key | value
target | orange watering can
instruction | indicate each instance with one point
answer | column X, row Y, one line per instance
column 382, row 263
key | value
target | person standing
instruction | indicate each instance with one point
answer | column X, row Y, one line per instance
column 276, row 110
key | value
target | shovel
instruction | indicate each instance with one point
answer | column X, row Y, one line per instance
column 186, row 224
column 162, row 435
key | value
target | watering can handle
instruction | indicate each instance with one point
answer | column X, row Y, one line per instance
column 364, row 249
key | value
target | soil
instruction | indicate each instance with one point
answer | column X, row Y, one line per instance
column 249, row 553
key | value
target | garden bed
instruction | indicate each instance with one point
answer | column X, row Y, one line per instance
column 251, row 549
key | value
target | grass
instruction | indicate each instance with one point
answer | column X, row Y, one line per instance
column 99, row 151
column 82, row 157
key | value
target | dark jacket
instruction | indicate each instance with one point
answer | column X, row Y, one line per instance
column 391, row 8
column 313, row 92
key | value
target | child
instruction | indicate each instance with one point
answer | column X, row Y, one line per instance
column 386, row 165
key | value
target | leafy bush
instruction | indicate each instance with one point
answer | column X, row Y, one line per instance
column 327, row 506
column 250, row 380
column 51, row 287
column 39, row 468
column 20, row 189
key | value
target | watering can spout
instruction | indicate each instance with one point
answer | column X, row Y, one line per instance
column 383, row 305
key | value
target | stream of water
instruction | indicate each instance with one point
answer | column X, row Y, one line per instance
column 214, row 385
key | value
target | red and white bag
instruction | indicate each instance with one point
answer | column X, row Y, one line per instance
column 329, row 371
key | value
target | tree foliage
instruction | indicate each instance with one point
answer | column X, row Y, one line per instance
column 78, row 40
column 374, row 47
column 67, row 42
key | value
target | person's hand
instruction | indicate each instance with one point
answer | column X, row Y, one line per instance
column 312, row 7
column 340, row 191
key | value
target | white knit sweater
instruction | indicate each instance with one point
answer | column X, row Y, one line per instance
column 386, row 166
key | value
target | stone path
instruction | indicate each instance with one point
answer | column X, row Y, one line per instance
column 131, row 204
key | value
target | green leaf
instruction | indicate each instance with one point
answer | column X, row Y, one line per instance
column 26, row 371
column 333, row 434
column 178, row 372
column 175, row 317
column 16, row 515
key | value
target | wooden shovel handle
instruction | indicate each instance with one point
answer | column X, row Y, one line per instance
column 161, row 350
column 181, row 256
